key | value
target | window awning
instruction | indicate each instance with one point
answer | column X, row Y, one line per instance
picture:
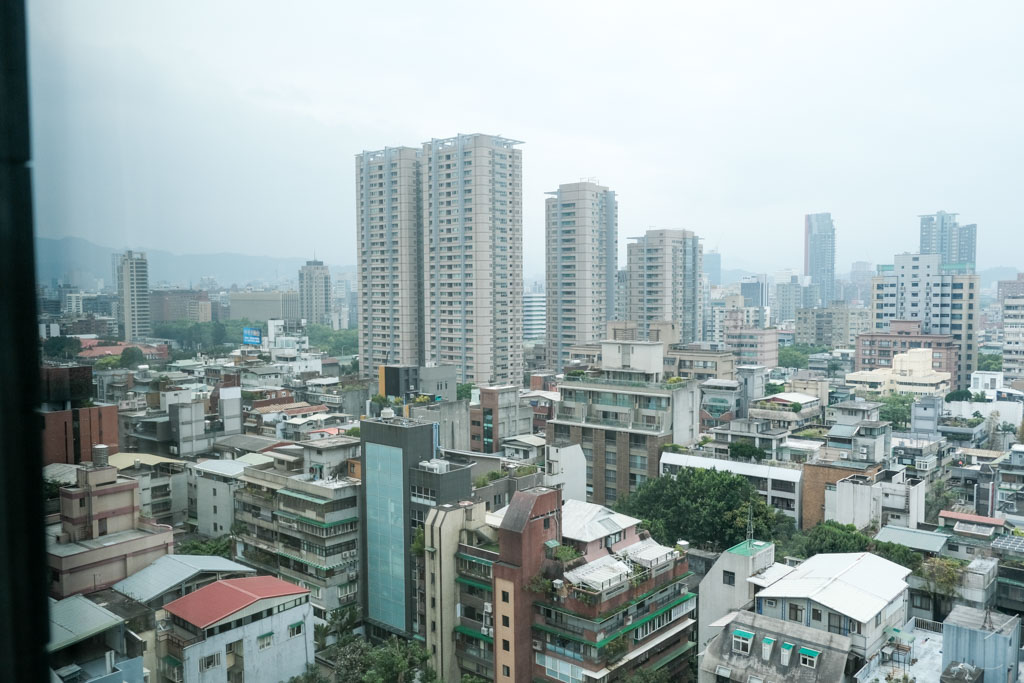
column 743, row 634
column 809, row 652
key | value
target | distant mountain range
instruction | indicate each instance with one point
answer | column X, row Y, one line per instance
column 81, row 262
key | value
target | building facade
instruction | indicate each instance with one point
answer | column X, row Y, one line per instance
column 820, row 254
column 942, row 234
column 665, row 269
column 917, row 287
column 836, row 327
column 876, row 349
column 582, row 222
column 1013, row 338
column 389, row 230
column 133, row 290
column 472, row 208
column 315, row 294
column 622, row 415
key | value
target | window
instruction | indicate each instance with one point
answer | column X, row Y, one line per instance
column 796, row 612
column 878, row 619
column 209, row 662
column 504, row 620
column 295, row 630
column 505, row 671
column 815, row 614
column 214, row 509
column 265, row 641
column 505, row 646
column 741, row 641
column 809, row 657
column 729, row 578
column 920, row 601
column 770, row 602
column 835, row 623
column 504, row 596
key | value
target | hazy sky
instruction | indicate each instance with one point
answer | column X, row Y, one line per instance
column 210, row 126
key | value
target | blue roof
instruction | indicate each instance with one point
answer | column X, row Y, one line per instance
column 170, row 571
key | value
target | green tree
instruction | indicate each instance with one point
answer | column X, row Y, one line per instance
column 132, row 357
column 62, row 347
column 352, row 432
column 959, row 395
column 398, row 661
column 896, row 409
column 942, row 576
column 772, row 389
column 937, row 499
column 214, row 546
column 705, row 507
column 464, row 392
column 747, row 451
column 790, row 357
column 990, row 362
column 470, row 678
column 107, row 363
column 833, row 537
column 52, row 487
column 311, row 675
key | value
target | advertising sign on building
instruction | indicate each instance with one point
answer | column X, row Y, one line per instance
column 252, row 335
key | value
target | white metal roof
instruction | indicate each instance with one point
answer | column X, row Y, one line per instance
column 770, row 574
column 747, row 469
column 171, row 570
column 589, row 521
column 649, row 553
column 791, row 396
column 225, row 468
column 859, row 585
column 76, row 618
column 600, row 574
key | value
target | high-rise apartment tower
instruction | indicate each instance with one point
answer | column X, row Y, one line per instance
column 315, row 295
column 133, row 290
column 820, row 254
column 582, row 247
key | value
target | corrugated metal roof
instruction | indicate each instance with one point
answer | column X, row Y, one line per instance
column 859, row 585
column 219, row 600
column 227, row 468
column 76, row 618
column 587, row 522
column 918, row 539
column 748, row 469
column 170, row 571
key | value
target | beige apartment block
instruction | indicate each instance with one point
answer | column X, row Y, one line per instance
column 101, row 538
column 582, row 262
column 389, row 257
column 472, row 204
column 665, row 281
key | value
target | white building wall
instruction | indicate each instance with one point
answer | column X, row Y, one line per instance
column 286, row 657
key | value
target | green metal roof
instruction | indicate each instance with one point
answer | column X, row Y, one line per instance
column 171, row 661
column 674, row 655
column 268, row 633
column 551, row 543
column 743, row 634
column 466, row 631
column 768, row 640
column 304, row 496
column 471, row 558
column 475, row 584
column 787, row 646
column 808, row 652
column 749, row 547
column 297, row 623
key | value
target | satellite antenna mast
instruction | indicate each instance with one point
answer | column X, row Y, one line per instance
column 750, row 520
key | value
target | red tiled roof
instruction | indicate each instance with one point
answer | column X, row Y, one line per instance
column 974, row 519
column 306, row 409
column 221, row 599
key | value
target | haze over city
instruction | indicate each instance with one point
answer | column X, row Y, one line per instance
column 233, row 126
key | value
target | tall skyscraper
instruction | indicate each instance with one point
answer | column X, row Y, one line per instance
column 390, row 259
column 534, row 318
column 713, row 267
column 917, row 287
column 315, row 295
column 133, row 292
column 820, row 254
column 582, row 262
column 473, row 257
column 942, row 234
column 665, row 269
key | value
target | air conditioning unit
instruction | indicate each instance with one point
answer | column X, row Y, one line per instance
column 845, row 455
column 347, row 554
column 488, row 607
column 487, row 631
column 629, row 620
column 864, row 450
column 538, row 646
column 173, row 450
column 352, row 576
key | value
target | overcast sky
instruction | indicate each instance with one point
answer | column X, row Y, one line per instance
column 213, row 126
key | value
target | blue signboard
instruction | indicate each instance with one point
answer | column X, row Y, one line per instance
column 252, row 335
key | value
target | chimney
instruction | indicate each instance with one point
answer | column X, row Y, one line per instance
column 99, row 455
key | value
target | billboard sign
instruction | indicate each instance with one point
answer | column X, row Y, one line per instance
column 252, row 335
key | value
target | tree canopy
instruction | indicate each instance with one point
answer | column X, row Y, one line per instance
column 990, row 362
column 335, row 342
column 704, row 507
column 833, row 537
column 214, row 546
column 62, row 347
column 464, row 391
column 132, row 358
column 896, row 409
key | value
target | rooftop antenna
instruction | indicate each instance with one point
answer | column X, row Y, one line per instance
column 750, row 520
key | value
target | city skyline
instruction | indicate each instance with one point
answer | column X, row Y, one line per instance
column 246, row 118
